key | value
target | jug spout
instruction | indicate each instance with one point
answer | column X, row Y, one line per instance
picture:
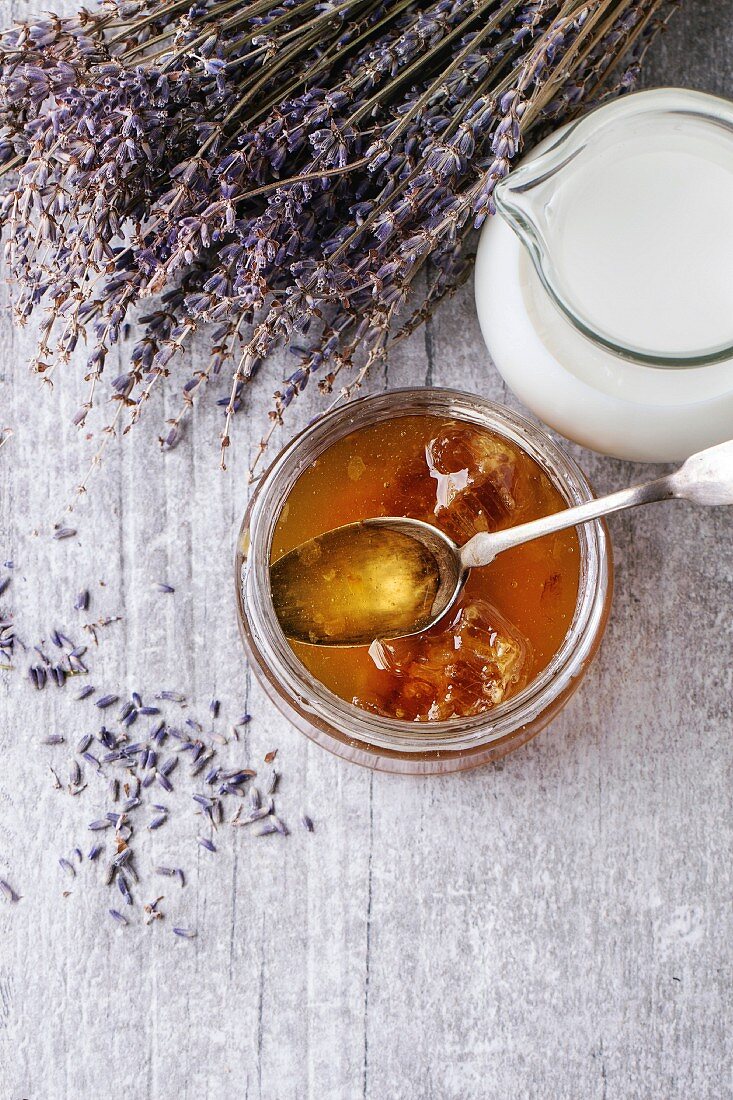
column 524, row 200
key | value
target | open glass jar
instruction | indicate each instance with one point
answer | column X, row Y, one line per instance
column 371, row 739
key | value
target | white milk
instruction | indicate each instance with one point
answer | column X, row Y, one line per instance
column 642, row 233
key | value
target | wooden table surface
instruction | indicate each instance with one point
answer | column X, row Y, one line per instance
column 559, row 926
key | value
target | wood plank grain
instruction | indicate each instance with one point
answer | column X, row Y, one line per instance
column 559, row 926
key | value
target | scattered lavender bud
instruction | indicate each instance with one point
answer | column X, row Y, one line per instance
column 206, row 843
column 94, row 851
column 83, row 743
column 161, row 586
column 85, row 692
column 117, row 916
column 307, row 823
column 106, row 701
column 158, row 821
column 4, row 583
column 100, row 823
column 64, row 532
column 81, row 603
column 8, row 892
column 67, row 867
column 124, row 888
column 185, row 933
column 53, row 739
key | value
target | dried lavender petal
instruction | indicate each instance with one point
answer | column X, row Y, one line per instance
column 67, row 867
column 117, row 916
column 185, row 933
column 94, row 851
column 163, row 587
column 100, row 823
column 206, row 843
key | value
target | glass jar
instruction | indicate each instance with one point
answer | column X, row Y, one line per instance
column 604, row 283
column 385, row 743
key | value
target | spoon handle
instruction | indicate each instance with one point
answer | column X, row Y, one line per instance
column 705, row 478
column 483, row 548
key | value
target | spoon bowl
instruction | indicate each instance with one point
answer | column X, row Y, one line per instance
column 379, row 578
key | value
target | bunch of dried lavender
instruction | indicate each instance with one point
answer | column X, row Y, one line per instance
column 305, row 173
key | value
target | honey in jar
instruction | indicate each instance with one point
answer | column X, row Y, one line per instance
column 512, row 615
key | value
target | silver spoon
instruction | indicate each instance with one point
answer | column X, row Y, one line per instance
column 392, row 577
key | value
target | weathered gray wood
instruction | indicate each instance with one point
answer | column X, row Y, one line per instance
column 556, row 927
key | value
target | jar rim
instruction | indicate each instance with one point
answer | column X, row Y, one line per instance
column 318, row 711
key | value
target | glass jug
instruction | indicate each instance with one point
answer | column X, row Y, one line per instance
column 605, row 283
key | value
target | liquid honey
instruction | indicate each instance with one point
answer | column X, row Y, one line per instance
column 512, row 615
